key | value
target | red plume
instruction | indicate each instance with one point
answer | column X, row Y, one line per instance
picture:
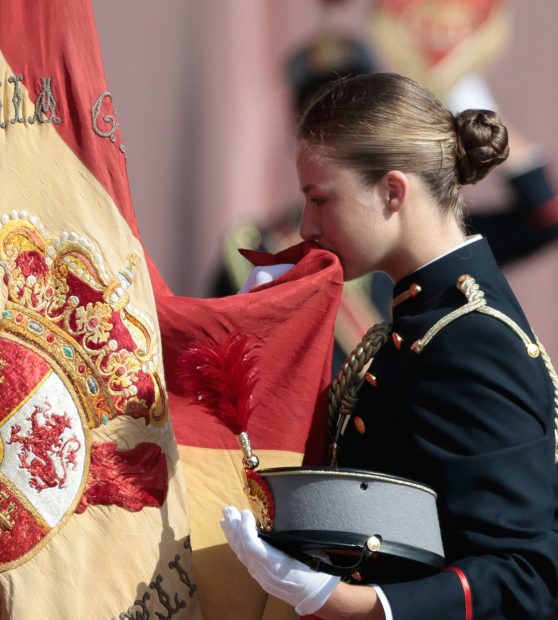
column 222, row 377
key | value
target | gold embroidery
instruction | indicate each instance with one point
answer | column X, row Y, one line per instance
column 107, row 347
column 17, row 98
column 110, row 119
column 6, row 522
column 164, row 598
column 258, row 499
column 37, row 518
column 45, row 105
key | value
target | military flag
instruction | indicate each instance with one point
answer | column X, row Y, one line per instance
column 93, row 514
column 94, row 517
column 289, row 325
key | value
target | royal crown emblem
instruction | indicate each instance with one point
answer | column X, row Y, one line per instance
column 74, row 355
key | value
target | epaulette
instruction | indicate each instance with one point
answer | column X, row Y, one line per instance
column 476, row 302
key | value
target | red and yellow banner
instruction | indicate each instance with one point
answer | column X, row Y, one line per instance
column 91, row 486
column 94, row 514
column 290, row 322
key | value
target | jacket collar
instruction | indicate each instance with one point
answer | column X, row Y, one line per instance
column 437, row 280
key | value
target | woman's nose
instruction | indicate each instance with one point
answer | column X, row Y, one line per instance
column 309, row 228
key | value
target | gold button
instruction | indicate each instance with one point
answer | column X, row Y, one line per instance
column 374, row 543
column 533, row 350
column 359, row 425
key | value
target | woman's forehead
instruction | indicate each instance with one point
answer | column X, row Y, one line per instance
column 314, row 155
column 317, row 170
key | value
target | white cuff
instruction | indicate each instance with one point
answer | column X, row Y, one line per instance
column 384, row 601
column 317, row 600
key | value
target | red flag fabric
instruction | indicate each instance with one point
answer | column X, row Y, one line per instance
column 290, row 321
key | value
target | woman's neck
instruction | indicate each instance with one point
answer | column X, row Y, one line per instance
column 424, row 241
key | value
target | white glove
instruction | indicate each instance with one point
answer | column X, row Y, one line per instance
column 277, row 573
column 263, row 275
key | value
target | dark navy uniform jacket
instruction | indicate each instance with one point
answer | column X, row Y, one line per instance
column 472, row 416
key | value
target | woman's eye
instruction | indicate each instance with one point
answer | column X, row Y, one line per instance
column 318, row 202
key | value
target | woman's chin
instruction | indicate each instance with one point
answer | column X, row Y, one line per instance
column 351, row 274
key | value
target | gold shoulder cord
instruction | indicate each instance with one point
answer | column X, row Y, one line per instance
column 345, row 386
column 554, row 378
column 344, row 389
column 475, row 302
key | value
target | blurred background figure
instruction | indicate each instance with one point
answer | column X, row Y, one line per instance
column 527, row 216
column 447, row 46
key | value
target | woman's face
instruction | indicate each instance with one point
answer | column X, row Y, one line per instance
column 343, row 214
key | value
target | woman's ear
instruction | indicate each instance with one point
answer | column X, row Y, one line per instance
column 396, row 189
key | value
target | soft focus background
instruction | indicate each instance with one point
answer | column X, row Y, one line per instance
column 203, row 101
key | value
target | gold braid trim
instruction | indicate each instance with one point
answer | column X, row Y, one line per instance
column 345, row 386
column 554, row 378
column 476, row 302
column 531, row 348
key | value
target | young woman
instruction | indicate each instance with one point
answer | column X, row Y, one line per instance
column 461, row 396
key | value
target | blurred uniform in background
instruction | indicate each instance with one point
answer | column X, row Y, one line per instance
column 514, row 230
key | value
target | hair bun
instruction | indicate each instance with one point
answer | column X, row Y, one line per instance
column 482, row 144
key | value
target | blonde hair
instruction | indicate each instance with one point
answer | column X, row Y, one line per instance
column 384, row 121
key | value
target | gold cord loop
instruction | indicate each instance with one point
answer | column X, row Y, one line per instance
column 345, row 386
column 554, row 378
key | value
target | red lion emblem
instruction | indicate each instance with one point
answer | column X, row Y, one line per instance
column 45, row 454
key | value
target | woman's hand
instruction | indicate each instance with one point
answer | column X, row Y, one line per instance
column 278, row 574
